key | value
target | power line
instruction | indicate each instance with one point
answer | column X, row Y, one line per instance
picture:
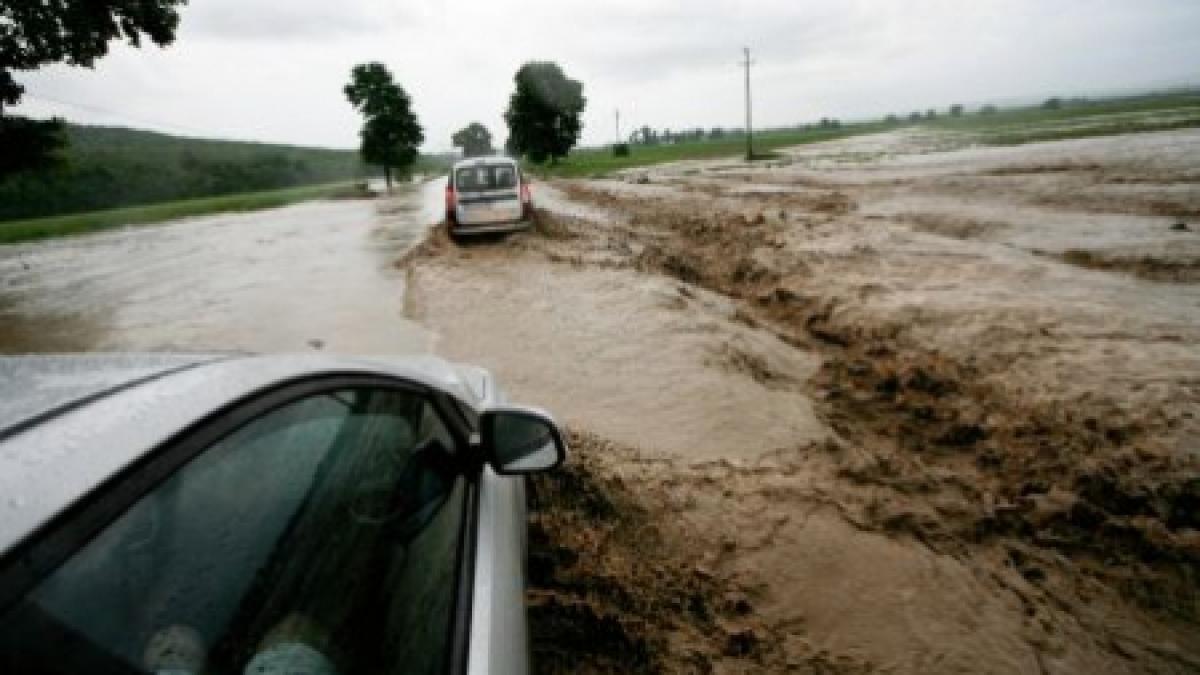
column 116, row 113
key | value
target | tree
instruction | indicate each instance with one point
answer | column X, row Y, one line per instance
column 1052, row 103
column 390, row 134
column 29, row 144
column 543, row 113
column 892, row 119
column 474, row 139
column 988, row 109
column 75, row 32
column 956, row 110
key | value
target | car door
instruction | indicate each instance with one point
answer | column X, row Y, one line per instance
column 314, row 531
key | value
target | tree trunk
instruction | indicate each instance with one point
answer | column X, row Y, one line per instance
column 387, row 176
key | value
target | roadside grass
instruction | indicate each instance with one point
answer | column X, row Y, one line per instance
column 15, row 231
column 1007, row 126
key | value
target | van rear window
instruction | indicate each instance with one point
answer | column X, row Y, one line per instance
column 486, row 177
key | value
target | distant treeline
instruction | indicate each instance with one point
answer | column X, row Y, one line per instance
column 648, row 136
column 108, row 167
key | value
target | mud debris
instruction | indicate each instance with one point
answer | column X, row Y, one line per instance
column 1147, row 267
column 616, row 588
column 620, row 584
column 1100, row 491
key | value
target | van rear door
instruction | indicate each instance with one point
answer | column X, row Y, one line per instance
column 487, row 193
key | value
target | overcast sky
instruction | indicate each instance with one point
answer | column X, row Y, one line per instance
column 273, row 70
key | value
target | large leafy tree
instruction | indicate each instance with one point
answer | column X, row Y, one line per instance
column 474, row 139
column 543, row 113
column 390, row 134
column 34, row 33
column 29, row 144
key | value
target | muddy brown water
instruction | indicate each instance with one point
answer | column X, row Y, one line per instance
column 316, row 275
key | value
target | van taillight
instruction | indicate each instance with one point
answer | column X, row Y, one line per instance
column 525, row 193
column 450, row 198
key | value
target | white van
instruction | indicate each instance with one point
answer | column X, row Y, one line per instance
column 487, row 194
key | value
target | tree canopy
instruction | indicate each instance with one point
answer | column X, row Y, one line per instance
column 543, row 113
column 29, row 144
column 75, row 32
column 474, row 139
column 390, row 134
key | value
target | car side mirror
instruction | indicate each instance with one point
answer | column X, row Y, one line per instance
column 518, row 441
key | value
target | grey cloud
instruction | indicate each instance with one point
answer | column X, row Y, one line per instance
column 666, row 62
column 284, row 20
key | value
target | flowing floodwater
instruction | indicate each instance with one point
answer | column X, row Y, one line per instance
column 316, row 275
column 878, row 404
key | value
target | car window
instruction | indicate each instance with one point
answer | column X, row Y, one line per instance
column 486, row 177
column 504, row 176
column 320, row 538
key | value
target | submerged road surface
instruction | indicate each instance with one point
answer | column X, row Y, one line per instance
column 316, row 275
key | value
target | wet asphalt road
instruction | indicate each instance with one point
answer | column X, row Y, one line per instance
column 316, row 275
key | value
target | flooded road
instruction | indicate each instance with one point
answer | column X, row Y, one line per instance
column 316, row 275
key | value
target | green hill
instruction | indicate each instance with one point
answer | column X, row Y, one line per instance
column 107, row 167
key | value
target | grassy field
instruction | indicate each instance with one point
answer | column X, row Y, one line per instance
column 1007, row 126
column 599, row 161
column 57, row 226
column 1077, row 120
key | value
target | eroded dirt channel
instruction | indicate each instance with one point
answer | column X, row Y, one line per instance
column 880, row 405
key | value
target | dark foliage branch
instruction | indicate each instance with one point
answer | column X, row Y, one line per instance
column 35, row 33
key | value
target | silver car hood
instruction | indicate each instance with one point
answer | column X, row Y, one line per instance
column 33, row 387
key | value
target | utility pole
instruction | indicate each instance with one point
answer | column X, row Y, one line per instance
column 618, row 114
column 749, row 131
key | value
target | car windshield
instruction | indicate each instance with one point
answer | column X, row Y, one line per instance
column 486, row 177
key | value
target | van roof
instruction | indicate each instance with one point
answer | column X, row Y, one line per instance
column 486, row 160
